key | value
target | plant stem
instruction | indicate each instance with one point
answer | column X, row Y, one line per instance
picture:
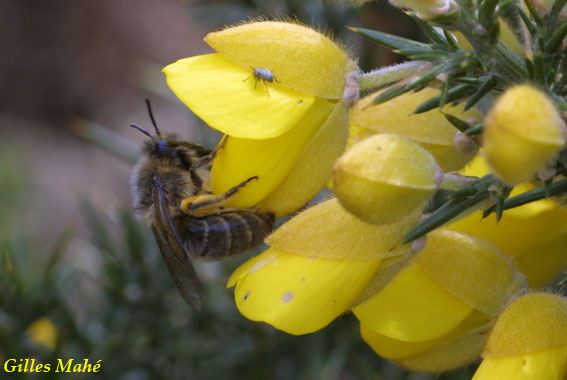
column 390, row 74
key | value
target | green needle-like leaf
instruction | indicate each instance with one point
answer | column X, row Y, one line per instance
column 461, row 125
column 451, row 209
column 556, row 188
column 452, row 94
column 391, row 41
column 420, row 81
column 486, row 86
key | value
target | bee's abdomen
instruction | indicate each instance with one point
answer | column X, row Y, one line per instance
column 228, row 233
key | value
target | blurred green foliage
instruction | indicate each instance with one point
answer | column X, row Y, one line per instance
column 127, row 312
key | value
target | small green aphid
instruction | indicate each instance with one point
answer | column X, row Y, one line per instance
column 264, row 75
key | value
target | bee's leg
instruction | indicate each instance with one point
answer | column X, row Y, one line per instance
column 206, row 160
column 206, row 204
column 266, row 85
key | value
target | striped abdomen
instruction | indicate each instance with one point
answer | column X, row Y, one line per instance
column 225, row 234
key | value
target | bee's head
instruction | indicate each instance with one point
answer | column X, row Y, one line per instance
column 167, row 148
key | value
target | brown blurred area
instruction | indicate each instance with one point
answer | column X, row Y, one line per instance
column 63, row 62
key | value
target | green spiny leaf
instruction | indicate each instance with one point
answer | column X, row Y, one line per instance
column 556, row 188
column 533, row 12
column 526, row 20
column 391, row 41
column 460, row 124
column 557, row 38
column 420, row 81
column 486, row 14
column 429, row 31
column 487, row 85
column 451, row 209
column 452, row 94
column 539, row 75
column 554, row 13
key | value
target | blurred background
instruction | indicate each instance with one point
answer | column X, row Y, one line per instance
column 79, row 278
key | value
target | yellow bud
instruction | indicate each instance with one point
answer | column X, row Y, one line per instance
column 429, row 129
column 300, row 57
column 528, row 341
column 523, row 131
column 384, row 178
column 531, row 323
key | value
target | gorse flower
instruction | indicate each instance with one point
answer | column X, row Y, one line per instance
column 523, row 133
column 433, row 281
column 529, row 341
column 275, row 89
column 312, row 272
column 434, row 314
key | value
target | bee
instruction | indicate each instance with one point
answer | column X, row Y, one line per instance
column 170, row 191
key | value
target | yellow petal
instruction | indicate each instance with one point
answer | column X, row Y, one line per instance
column 328, row 231
column 397, row 349
column 313, row 168
column 296, row 294
column 412, row 308
column 223, row 95
column 384, row 178
column 471, row 269
column 300, row 57
column 549, row 364
column 270, row 160
column 544, row 259
column 532, row 323
column 446, row 357
column 429, row 129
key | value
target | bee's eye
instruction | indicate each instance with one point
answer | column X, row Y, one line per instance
column 163, row 147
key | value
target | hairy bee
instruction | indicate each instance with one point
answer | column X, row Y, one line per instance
column 169, row 188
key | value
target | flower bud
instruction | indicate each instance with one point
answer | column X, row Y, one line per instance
column 523, row 132
column 528, row 341
column 384, row 178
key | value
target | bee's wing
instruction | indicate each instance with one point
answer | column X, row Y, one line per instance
column 174, row 252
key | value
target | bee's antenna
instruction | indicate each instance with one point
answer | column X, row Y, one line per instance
column 151, row 113
column 141, row 130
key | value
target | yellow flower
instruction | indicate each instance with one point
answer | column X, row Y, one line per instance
column 275, row 89
column 528, row 341
column 430, row 129
column 384, row 178
column 42, row 332
column 433, row 315
column 316, row 268
column 533, row 235
column 523, row 132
